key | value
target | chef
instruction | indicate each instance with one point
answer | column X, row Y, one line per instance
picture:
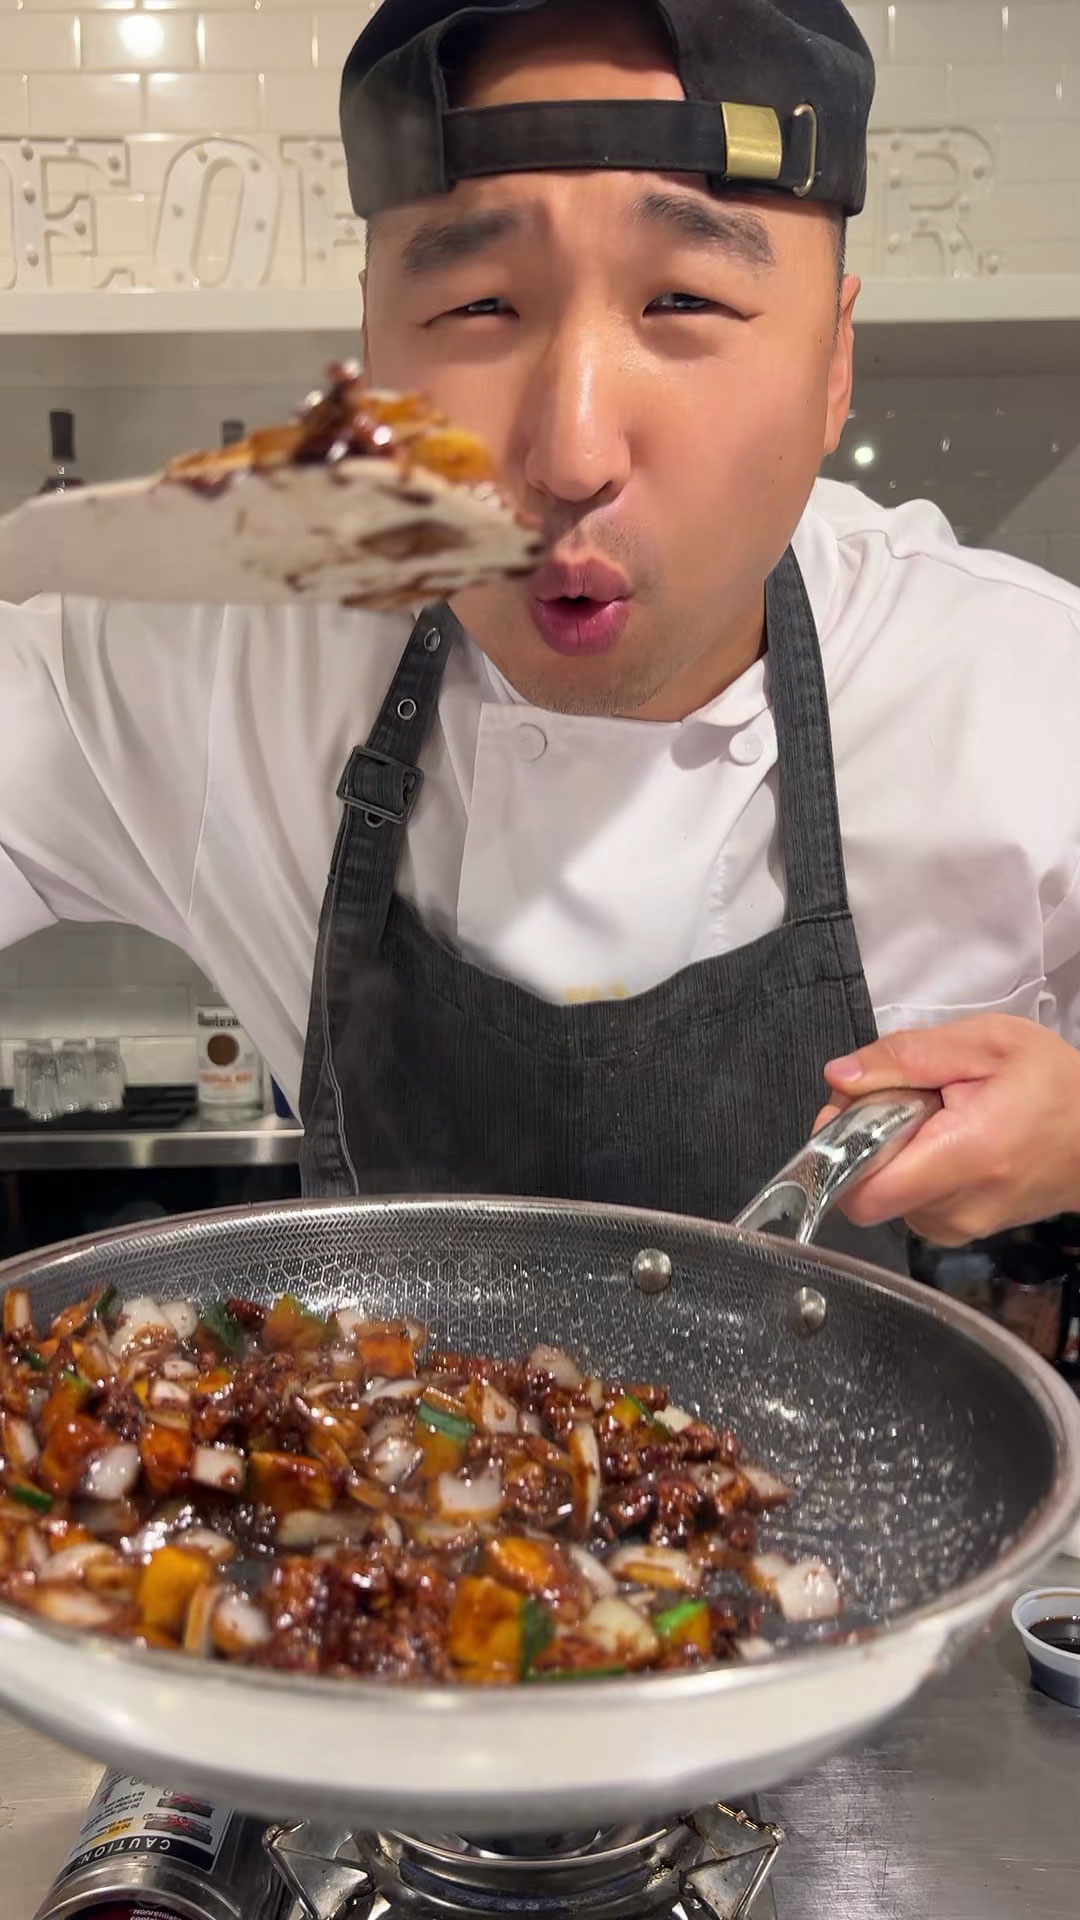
column 753, row 782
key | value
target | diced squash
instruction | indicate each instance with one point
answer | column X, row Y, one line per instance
column 166, row 1455
column 166, row 1585
column 486, row 1628
column 290, row 1327
column 387, row 1353
column 69, row 1396
column 287, row 1481
column 70, row 1448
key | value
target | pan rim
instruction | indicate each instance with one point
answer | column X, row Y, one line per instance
column 962, row 1607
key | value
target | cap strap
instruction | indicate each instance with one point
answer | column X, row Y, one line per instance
column 731, row 143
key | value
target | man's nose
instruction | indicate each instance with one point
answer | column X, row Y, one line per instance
column 577, row 448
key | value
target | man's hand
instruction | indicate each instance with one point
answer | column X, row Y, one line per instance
column 1006, row 1149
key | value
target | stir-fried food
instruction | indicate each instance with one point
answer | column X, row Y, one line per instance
column 328, row 1494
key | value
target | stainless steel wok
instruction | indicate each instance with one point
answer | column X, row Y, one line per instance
column 937, row 1462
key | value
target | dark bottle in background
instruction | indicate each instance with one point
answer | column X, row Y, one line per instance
column 231, row 432
column 64, row 474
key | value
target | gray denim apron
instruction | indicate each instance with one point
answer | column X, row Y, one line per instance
column 423, row 1073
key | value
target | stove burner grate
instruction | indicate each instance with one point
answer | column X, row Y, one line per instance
column 713, row 1865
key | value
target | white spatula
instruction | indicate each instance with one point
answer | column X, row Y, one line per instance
column 367, row 498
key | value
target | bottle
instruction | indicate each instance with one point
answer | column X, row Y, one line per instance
column 230, row 1072
column 64, row 475
column 231, row 432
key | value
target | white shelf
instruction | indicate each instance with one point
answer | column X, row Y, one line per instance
column 263, row 310
column 1012, row 300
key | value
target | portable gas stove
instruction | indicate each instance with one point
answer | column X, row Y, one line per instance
column 714, row 1864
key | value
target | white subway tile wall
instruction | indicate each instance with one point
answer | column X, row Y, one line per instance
column 1006, row 71
column 1001, row 456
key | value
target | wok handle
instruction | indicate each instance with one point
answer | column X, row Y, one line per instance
column 867, row 1134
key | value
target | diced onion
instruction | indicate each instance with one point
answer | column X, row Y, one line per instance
column 31, row 1552
column 393, row 1390
column 531, row 1423
column 675, row 1419
column 478, row 1499
column 220, row 1467
column 594, row 1393
column 497, row 1413
column 238, row 1626
column 803, row 1591
column 21, row 1441
column 72, row 1607
column 564, row 1371
column 139, row 1316
column 205, row 1540
column 656, row 1567
column 585, row 1455
column 181, row 1315
column 754, row 1648
column 112, row 1474
column 71, row 1562
column 394, row 1458
column 712, row 1480
column 169, row 1393
column 306, row 1528
column 438, row 1534
column 200, row 1618
column 600, row 1580
column 618, row 1627
column 385, row 1527
column 176, row 1368
column 769, row 1490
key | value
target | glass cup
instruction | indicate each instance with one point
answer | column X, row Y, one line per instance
column 106, row 1078
column 72, row 1073
column 42, row 1099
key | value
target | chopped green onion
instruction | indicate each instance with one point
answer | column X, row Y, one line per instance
column 219, row 1322
column 574, row 1673
column 649, row 1418
column 537, row 1630
column 106, row 1303
column 34, row 1360
column 75, row 1378
column 671, row 1619
column 29, row 1496
column 453, row 1425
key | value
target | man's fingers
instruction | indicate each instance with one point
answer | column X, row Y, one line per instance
column 945, row 1157
column 923, row 1057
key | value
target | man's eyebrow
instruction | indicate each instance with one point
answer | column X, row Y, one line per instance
column 446, row 243
column 730, row 230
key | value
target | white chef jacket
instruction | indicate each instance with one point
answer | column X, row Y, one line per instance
column 175, row 768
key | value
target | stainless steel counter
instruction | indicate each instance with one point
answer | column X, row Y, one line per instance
column 266, row 1142
column 966, row 1807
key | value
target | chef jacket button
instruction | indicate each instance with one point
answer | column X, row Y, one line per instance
column 531, row 743
column 746, row 748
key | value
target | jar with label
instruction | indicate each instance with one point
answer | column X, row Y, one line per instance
column 230, row 1072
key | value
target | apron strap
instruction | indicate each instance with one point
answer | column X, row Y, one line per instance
column 809, row 812
column 382, row 780
column 378, row 791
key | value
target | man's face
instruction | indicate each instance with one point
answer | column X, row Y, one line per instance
column 657, row 371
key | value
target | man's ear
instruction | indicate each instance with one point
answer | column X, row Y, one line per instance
column 842, row 364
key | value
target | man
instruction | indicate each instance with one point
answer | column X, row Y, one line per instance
column 607, row 949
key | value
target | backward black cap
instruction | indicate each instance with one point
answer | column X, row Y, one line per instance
column 778, row 95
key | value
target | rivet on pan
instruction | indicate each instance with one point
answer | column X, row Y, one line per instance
column 652, row 1270
column 810, row 1310
column 406, row 710
column 432, row 640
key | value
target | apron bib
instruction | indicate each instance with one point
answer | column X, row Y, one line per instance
column 423, row 1073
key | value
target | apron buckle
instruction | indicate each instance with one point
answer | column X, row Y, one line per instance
column 383, row 789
